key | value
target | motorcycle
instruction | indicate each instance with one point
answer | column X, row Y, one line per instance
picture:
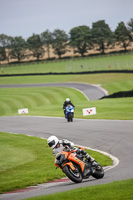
column 76, row 167
column 69, row 114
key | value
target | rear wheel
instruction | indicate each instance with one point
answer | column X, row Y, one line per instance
column 99, row 172
column 74, row 175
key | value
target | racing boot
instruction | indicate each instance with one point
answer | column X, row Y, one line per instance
column 94, row 163
column 89, row 159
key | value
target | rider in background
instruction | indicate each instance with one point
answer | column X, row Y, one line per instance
column 66, row 103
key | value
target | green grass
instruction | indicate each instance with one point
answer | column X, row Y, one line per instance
column 108, row 62
column 117, row 109
column 22, row 163
column 40, row 101
column 49, row 102
column 27, row 161
column 119, row 190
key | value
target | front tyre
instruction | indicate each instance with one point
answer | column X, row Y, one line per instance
column 68, row 120
column 75, row 175
column 71, row 117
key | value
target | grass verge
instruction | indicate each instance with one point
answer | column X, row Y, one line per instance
column 27, row 161
column 119, row 190
column 108, row 62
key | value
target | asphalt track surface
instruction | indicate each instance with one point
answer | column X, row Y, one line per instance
column 112, row 136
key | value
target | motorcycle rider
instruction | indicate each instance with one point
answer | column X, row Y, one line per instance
column 66, row 103
column 58, row 146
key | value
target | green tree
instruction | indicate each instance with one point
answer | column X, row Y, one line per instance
column 122, row 35
column 59, row 42
column 2, row 54
column 35, row 46
column 4, row 40
column 80, row 37
column 46, row 39
column 102, row 35
column 18, row 48
column 5, row 44
column 130, row 25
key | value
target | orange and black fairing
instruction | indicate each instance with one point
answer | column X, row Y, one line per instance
column 60, row 158
column 73, row 158
column 68, row 158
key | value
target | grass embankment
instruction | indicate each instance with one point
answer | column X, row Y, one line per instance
column 119, row 190
column 48, row 102
column 27, row 161
column 107, row 62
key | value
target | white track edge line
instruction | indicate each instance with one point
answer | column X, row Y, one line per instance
column 113, row 158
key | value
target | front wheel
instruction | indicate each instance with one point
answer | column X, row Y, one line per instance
column 68, row 120
column 75, row 175
column 98, row 172
column 70, row 116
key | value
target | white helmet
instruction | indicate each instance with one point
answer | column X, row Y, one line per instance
column 52, row 141
column 67, row 99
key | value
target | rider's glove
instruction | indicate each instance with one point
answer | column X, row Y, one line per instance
column 65, row 142
column 68, row 143
column 81, row 151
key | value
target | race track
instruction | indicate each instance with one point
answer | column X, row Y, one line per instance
column 92, row 92
column 112, row 136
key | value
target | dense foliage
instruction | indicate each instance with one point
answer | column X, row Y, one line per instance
column 35, row 46
column 81, row 38
column 102, row 35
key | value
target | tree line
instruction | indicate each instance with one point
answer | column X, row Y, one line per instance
column 81, row 38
